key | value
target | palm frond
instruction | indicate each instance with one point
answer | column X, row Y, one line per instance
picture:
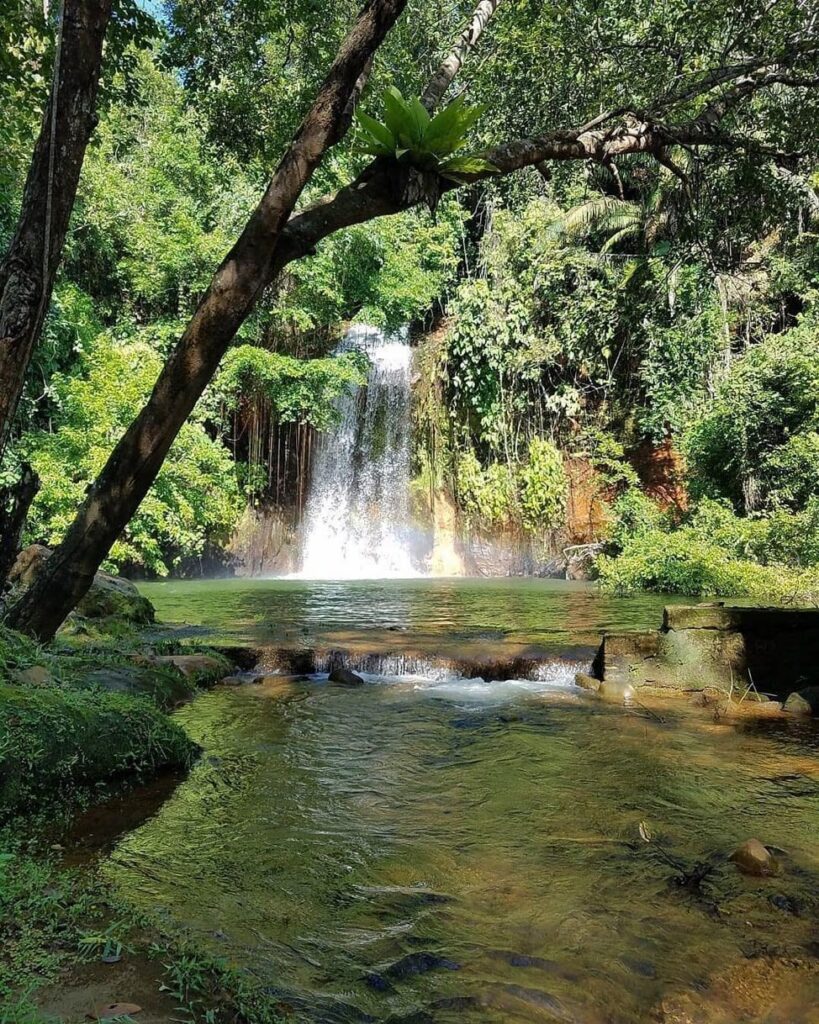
column 598, row 214
column 630, row 231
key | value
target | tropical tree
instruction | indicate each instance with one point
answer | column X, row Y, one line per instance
column 719, row 82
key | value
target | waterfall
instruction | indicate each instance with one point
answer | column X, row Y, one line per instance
column 357, row 521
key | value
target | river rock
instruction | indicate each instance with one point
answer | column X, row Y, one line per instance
column 803, row 702
column 36, row 675
column 345, row 677
column 586, row 682
column 420, row 963
column 108, row 595
column 202, row 667
column 581, row 561
column 752, row 858
column 614, row 691
column 746, row 710
column 122, row 679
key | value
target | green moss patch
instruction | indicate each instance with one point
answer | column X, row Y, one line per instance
column 53, row 740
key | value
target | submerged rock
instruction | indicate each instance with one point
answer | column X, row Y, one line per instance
column 586, row 682
column 345, row 677
column 752, row 858
column 614, row 691
column 377, row 982
column 420, row 963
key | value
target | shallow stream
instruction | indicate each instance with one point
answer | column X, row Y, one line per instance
column 455, row 850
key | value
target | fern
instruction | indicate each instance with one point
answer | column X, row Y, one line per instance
column 411, row 136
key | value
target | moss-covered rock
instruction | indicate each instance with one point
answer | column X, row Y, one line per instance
column 109, row 596
column 53, row 740
column 165, row 687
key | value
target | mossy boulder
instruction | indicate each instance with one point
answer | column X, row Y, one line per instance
column 53, row 740
column 803, row 702
column 166, row 688
column 109, row 596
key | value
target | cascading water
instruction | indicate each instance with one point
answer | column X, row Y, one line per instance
column 357, row 523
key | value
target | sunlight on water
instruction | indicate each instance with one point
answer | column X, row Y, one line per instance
column 407, row 852
column 422, row 615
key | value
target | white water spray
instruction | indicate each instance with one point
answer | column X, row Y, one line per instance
column 357, row 523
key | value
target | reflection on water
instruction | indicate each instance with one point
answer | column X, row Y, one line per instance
column 402, row 852
column 440, row 615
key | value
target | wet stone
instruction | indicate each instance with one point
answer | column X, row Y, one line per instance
column 752, row 858
column 345, row 677
column 803, row 702
column 615, row 692
column 420, row 963
column 586, row 682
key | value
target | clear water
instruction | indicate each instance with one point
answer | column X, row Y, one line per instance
column 439, row 615
column 357, row 524
column 421, row 850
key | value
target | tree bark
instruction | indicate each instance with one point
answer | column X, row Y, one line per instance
column 27, row 271
column 15, row 502
column 136, row 460
column 451, row 64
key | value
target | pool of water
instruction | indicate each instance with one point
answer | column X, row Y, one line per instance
column 421, row 850
column 438, row 615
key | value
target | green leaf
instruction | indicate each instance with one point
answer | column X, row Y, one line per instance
column 379, row 132
column 398, row 116
column 421, row 116
column 457, row 122
column 444, row 123
column 466, row 165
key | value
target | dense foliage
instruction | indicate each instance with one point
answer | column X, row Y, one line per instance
column 157, row 209
column 196, row 496
column 757, row 444
column 590, row 312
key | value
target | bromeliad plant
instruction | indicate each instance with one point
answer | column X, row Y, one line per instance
column 410, row 135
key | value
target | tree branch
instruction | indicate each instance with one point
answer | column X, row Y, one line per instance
column 378, row 192
column 451, row 65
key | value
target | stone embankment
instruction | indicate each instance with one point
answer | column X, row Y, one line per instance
column 745, row 653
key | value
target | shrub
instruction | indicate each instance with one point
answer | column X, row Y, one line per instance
column 531, row 494
column 758, row 445
column 542, row 486
column 714, row 553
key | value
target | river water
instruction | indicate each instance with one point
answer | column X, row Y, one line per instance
column 442, row 850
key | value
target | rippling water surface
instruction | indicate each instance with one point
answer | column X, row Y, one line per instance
column 425, row 851
column 441, row 614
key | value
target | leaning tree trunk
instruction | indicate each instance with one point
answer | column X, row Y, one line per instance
column 28, row 269
column 137, row 459
column 15, row 502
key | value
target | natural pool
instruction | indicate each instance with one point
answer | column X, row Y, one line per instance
column 455, row 851
column 436, row 614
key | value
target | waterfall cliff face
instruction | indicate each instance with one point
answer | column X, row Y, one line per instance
column 357, row 523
